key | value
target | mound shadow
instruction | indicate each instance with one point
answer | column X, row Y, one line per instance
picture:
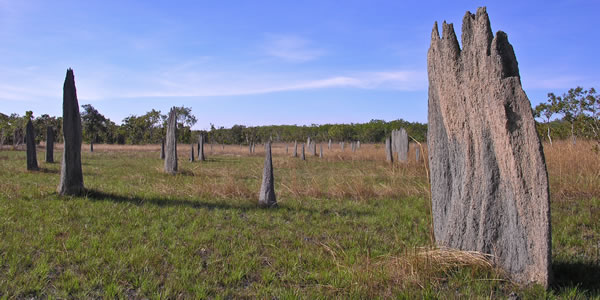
column 583, row 275
column 96, row 195
column 185, row 172
column 213, row 159
column 50, row 171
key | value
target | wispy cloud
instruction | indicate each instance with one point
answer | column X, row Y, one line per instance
column 394, row 80
column 229, row 84
column 291, row 48
column 27, row 83
column 102, row 84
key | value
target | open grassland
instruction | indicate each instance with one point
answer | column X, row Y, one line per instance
column 347, row 226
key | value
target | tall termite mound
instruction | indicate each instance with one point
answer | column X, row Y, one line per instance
column 489, row 184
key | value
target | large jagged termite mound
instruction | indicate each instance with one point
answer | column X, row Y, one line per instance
column 489, row 183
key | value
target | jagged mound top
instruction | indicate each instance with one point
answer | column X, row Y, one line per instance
column 476, row 37
column 70, row 78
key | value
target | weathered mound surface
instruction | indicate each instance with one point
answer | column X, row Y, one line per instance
column 71, row 174
column 171, row 143
column 489, row 182
column 266, row 196
column 31, row 150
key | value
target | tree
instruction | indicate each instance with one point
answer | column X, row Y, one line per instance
column 547, row 110
column 185, row 120
column 146, row 128
column 42, row 122
column 185, row 117
column 15, row 125
column 112, row 133
column 341, row 132
column 3, row 128
column 579, row 108
column 153, row 120
column 591, row 104
column 94, row 124
column 569, row 105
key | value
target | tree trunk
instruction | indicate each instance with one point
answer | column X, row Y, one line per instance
column 2, row 138
column 573, row 133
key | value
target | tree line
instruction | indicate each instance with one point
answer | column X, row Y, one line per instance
column 575, row 114
column 373, row 131
column 144, row 129
column 149, row 128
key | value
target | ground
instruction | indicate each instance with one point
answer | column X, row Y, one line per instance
column 347, row 226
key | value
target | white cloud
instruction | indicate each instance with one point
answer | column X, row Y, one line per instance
column 395, row 80
column 106, row 82
column 291, row 48
column 233, row 84
column 24, row 84
column 406, row 80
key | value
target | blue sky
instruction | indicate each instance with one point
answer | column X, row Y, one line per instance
column 270, row 62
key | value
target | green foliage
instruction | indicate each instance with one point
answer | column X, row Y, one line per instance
column 579, row 110
column 145, row 129
column 374, row 131
column 12, row 128
column 42, row 122
column 6, row 129
column 96, row 127
column 148, row 128
column 184, row 116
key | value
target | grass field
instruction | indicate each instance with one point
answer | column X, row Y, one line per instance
column 347, row 226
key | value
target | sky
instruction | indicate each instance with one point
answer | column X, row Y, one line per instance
column 270, row 62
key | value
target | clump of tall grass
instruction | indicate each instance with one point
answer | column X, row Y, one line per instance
column 432, row 266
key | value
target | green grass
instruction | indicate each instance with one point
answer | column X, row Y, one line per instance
column 140, row 233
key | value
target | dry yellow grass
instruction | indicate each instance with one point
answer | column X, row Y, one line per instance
column 368, row 152
column 418, row 268
column 366, row 176
column 430, row 265
column 574, row 170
